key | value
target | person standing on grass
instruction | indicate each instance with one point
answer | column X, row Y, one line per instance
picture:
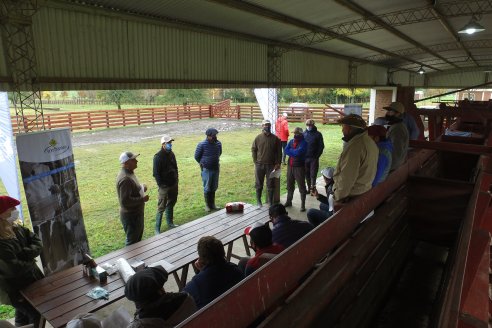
column 207, row 154
column 314, row 139
column 282, row 132
column 166, row 176
column 296, row 150
column 19, row 248
column 267, row 155
column 132, row 198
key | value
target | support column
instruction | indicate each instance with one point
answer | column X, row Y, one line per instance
column 17, row 36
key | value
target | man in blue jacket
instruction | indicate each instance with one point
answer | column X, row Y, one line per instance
column 286, row 231
column 215, row 276
column 315, row 143
column 207, row 154
column 296, row 150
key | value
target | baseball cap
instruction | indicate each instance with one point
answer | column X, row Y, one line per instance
column 327, row 172
column 266, row 122
column 353, row 120
column 377, row 131
column 297, row 130
column 144, row 285
column 248, row 230
column 284, row 114
column 396, row 106
column 166, row 138
column 211, row 132
column 7, row 202
column 127, row 155
column 310, row 122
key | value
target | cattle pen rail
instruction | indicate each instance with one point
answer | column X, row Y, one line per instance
column 105, row 119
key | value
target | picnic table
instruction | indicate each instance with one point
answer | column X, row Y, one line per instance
column 61, row 296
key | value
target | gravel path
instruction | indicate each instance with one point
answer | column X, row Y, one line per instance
column 132, row 134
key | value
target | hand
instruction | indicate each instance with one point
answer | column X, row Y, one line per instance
column 198, row 265
column 146, row 198
column 315, row 192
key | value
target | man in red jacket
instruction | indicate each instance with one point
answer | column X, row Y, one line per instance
column 282, row 132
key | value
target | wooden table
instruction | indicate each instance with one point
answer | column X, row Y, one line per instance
column 62, row 295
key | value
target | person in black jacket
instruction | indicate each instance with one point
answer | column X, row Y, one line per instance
column 166, row 177
column 314, row 139
column 19, row 248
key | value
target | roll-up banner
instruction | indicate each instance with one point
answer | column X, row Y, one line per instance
column 48, row 174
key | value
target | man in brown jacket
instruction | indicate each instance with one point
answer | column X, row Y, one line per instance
column 131, row 197
column 267, row 155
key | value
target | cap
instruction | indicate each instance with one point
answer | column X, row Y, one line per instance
column 127, row 155
column 211, row 132
column 327, row 172
column 248, row 230
column 310, row 122
column 396, row 106
column 266, row 122
column 377, row 131
column 284, row 114
column 380, row 121
column 353, row 120
column 144, row 285
column 297, row 130
column 7, row 202
column 166, row 138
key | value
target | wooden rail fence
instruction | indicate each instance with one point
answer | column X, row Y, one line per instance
column 103, row 119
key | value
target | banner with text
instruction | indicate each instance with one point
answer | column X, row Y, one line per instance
column 48, row 174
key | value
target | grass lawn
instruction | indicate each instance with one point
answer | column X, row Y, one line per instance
column 97, row 167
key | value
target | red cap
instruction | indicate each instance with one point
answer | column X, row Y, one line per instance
column 7, row 202
column 254, row 226
column 377, row 131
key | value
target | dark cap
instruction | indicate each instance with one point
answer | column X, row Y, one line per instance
column 353, row 120
column 377, row 131
column 211, row 132
column 144, row 286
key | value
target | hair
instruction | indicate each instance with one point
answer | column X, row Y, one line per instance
column 210, row 250
column 277, row 210
column 261, row 236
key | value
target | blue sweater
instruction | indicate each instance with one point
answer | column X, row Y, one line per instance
column 298, row 154
column 208, row 154
column 212, row 282
column 286, row 231
column 384, row 161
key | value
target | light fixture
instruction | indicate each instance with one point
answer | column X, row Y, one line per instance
column 421, row 70
column 472, row 27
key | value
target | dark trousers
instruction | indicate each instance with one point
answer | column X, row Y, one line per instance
column 133, row 224
column 284, row 144
column 25, row 313
column 295, row 174
column 312, row 166
column 262, row 171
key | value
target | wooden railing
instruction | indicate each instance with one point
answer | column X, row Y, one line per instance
column 103, row 119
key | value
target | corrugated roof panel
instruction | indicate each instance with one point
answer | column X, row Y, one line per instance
column 466, row 79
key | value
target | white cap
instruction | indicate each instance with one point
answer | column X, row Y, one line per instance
column 166, row 138
column 284, row 114
column 127, row 155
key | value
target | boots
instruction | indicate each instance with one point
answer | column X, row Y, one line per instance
column 290, row 195
column 258, row 198
column 212, row 201
column 303, row 203
column 206, row 195
column 270, row 196
column 169, row 218
column 158, row 222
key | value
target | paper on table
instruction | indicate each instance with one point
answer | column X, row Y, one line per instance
column 164, row 264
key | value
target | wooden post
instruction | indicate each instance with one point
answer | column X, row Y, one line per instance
column 124, row 118
column 70, row 121
column 238, row 108
column 138, row 116
column 89, row 120
column 107, row 119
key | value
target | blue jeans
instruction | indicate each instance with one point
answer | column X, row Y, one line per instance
column 210, row 180
column 316, row 217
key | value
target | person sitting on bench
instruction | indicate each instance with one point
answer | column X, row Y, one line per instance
column 315, row 216
column 286, row 231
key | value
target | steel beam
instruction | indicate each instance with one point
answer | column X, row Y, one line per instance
column 370, row 16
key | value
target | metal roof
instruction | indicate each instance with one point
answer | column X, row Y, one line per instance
column 396, row 36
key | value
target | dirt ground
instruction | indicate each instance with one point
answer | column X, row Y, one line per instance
column 155, row 131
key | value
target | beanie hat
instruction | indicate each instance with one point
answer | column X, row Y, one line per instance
column 7, row 202
column 144, row 286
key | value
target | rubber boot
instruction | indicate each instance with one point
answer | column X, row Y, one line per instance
column 258, row 198
column 212, row 202
column 169, row 218
column 290, row 195
column 303, row 203
column 158, row 222
column 206, row 195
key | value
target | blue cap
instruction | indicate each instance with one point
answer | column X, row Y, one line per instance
column 211, row 132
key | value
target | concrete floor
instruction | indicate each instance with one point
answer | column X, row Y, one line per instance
column 171, row 285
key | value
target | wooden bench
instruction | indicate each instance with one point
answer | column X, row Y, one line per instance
column 62, row 295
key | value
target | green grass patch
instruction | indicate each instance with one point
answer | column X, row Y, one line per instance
column 6, row 312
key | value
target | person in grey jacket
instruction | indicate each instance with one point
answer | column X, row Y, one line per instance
column 132, row 198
